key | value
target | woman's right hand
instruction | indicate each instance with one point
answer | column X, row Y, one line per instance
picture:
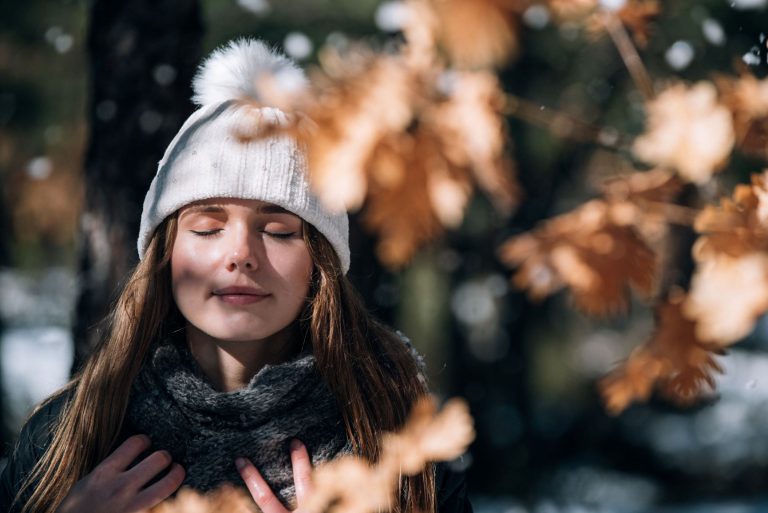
column 112, row 487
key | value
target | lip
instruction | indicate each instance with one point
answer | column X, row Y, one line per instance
column 240, row 295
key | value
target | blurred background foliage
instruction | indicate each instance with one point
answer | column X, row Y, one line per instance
column 527, row 370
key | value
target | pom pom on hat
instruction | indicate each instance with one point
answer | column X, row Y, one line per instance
column 238, row 72
column 207, row 160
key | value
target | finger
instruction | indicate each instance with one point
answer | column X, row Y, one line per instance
column 158, row 492
column 302, row 469
column 149, row 467
column 126, row 453
column 260, row 491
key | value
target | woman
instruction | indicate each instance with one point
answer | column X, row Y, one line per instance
column 237, row 350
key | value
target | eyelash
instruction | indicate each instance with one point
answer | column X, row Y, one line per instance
column 279, row 235
column 276, row 235
column 206, row 233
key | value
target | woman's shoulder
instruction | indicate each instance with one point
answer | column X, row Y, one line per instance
column 38, row 430
column 42, row 421
column 451, row 490
column 34, row 438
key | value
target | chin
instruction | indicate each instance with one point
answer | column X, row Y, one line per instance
column 241, row 336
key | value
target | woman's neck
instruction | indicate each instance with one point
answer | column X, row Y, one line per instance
column 230, row 365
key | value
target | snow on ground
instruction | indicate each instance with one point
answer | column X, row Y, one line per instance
column 43, row 299
column 36, row 346
column 35, row 362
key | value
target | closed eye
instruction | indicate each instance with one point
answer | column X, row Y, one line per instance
column 280, row 235
column 206, row 233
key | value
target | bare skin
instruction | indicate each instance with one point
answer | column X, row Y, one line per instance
column 240, row 273
column 231, row 365
column 260, row 490
column 112, row 487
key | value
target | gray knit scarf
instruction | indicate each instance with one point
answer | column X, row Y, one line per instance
column 205, row 430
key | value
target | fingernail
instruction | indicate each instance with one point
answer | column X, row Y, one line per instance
column 240, row 463
column 296, row 444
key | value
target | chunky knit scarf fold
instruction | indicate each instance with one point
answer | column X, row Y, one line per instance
column 205, row 430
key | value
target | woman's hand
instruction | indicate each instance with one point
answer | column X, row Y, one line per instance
column 112, row 487
column 260, row 491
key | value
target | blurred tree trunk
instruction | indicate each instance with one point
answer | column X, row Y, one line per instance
column 143, row 55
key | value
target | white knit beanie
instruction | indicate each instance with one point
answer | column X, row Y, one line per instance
column 210, row 158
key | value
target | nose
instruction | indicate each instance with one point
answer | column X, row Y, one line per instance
column 242, row 254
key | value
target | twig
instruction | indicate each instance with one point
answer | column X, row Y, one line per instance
column 629, row 54
column 562, row 124
column 675, row 214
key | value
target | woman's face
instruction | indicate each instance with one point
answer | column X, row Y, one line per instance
column 240, row 269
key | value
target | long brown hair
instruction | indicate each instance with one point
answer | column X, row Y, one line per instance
column 371, row 373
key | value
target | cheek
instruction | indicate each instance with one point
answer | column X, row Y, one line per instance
column 306, row 277
column 180, row 276
column 308, row 267
column 297, row 272
column 188, row 266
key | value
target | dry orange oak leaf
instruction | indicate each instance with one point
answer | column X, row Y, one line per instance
column 352, row 485
column 747, row 98
column 478, row 33
column 687, row 130
column 226, row 499
column 473, row 136
column 674, row 362
column 738, row 226
column 729, row 289
column 352, row 116
column 594, row 251
column 727, row 296
column 411, row 188
column 408, row 152
column 428, row 435
column 646, row 199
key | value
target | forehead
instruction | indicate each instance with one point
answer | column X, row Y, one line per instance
column 214, row 205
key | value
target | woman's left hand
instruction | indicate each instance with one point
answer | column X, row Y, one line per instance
column 260, row 490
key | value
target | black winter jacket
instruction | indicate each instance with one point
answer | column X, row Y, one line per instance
column 37, row 432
